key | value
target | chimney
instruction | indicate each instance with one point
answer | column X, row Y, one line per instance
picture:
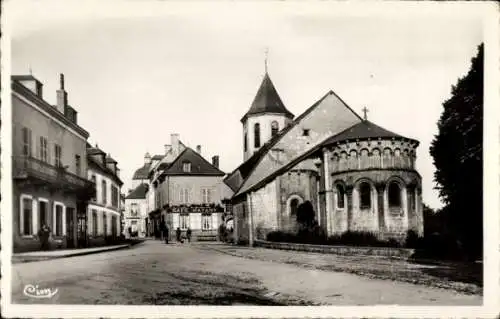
column 198, row 149
column 215, row 161
column 168, row 148
column 62, row 96
column 174, row 141
column 147, row 158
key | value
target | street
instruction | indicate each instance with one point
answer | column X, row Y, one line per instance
column 194, row 274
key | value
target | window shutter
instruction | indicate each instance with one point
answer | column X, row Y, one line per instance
column 39, row 149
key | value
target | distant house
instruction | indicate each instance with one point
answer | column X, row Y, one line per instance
column 187, row 192
column 135, row 212
column 355, row 175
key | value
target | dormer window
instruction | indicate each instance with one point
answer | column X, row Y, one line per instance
column 186, row 167
column 305, row 132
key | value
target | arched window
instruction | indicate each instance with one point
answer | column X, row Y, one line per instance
column 294, row 206
column 375, row 158
column 245, row 142
column 340, row 196
column 394, row 195
column 364, row 158
column 274, row 128
column 256, row 132
column 365, row 199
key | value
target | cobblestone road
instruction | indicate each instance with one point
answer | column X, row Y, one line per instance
column 155, row 273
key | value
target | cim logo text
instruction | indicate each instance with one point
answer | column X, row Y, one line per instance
column 36, row 292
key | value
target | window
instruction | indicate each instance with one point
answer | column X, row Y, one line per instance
column 42, row 212
column 186, row 167
column 184, row 197
column 340, row 196
column 294, row 206
column 93, row 179
column 104, row 195
column 365, row 195
column 42, row 149
column 245, row 142
column 78, row 165
column 27, row 139
column 206, row 222
column 184, row 221
column 104, row 224
column 256, row 132
column 305, row 132
column 274, row 128
column 206, row 195
column 94, row 222
column 114, row 196
column 57, row 155
column 59, row 220
column 394, row 195
column 134, row 209
column 27, row 215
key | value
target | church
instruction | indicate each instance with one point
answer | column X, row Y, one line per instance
column 356, row 175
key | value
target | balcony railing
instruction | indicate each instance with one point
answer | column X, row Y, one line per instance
column 25, row 167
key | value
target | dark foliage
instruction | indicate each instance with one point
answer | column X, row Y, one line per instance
column 457, row 151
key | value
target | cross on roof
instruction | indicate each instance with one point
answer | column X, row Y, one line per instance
column 265, row 60
column 365, row 110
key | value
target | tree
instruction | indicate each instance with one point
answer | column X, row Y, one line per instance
column 457, row 151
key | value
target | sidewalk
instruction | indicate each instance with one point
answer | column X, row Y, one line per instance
column 62, row 253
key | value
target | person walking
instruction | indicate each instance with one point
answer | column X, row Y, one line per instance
column 178, row 234
column 188, row 234
column 166, row 234
column 43, row 235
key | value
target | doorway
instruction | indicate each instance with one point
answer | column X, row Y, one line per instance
column 70, row 227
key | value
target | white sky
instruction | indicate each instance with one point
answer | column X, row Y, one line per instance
column 136, row 74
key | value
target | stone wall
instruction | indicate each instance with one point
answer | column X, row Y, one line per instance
column 264, row 207
column 340, row 250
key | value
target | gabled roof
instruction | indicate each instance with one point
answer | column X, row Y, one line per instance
column 157, row 157
column 139, row 192
column 142, row 172
column 362, row 130
column 103, row 168
column 109, row 159
column 199, row 165
column 346, row 117
column 267, row 100
column 236, row 178
column 94, row 150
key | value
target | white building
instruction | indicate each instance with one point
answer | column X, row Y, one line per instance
column 104, row 209
column 136, row 212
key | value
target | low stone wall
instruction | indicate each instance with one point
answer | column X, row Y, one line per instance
column 339, row 250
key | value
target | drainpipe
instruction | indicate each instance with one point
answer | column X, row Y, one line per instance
column 328, row 190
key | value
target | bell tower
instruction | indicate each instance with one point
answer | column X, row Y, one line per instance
column 265, row 118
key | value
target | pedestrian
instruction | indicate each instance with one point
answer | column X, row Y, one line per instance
column 43, row 235
column 166, row 235
column 162, row 229
column 188, row 234
column 178, row 234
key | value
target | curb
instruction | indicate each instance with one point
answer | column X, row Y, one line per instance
column 75, row 254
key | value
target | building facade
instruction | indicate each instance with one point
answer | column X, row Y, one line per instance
column 188, row 193
column 355, row 175
column 50, row 184
column 103, row 213
column 136, row 212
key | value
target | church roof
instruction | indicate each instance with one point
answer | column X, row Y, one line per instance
column 139, row 192
column 267, row 100
column 199, row 166
column 142, row 173
column 362, row 130
column 236, row 178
